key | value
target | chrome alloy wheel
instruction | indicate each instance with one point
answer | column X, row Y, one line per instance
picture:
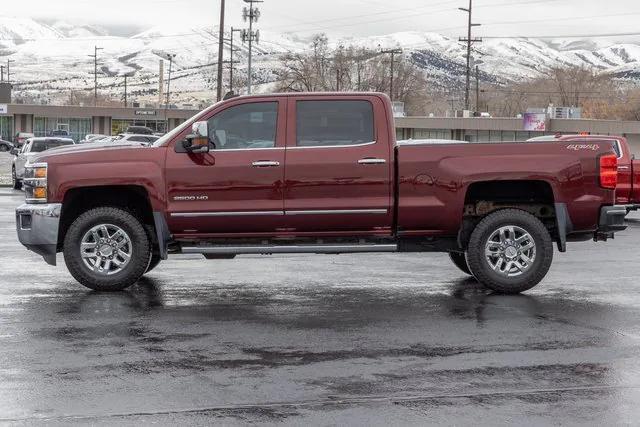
column 106, row 249
column 510, row 251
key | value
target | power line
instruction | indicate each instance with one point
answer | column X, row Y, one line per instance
column 567, row 36
column 351, row 22
column 352, row 17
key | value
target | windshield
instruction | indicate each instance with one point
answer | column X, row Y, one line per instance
column 169, row 136
column 40, row 146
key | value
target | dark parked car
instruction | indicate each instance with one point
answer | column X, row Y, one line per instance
column 140, row 130
column 5, row 145
column 59, row 132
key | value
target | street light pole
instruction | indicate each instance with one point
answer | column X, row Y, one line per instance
column 232, row 51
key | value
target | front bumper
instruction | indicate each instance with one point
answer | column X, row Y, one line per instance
column 37, row 227
column 611, row 220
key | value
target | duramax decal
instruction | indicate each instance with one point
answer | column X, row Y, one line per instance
column 578, row 147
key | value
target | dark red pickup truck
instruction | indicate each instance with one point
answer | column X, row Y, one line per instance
column 315, row 173
column 628, row 189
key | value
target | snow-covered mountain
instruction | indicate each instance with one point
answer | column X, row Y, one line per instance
column 52, row 60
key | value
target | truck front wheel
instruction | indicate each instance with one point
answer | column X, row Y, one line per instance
column 106, row 249
column 510, row 251
column 460, row 260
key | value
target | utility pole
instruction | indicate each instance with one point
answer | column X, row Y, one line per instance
column 232, row 50
column 125, row 91
column 220, row 51
column 338, row 61
column 95, row 74
column 469, row 40
column 393, row 53
column 2, row 73
column 252, row 14
column 9, row 61
column 477, row 89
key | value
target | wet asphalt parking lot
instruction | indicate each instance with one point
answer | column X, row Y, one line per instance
column 378, row 339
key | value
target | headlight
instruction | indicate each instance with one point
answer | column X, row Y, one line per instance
column 35, row 182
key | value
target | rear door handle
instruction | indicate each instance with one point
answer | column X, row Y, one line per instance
column 371, row 161
column 265, row 164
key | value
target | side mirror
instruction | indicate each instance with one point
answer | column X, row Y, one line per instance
column 198, row 141
column 14, row 151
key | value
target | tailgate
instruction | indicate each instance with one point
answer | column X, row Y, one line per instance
column 635, row 188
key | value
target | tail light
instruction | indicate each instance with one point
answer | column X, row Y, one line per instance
column 609, row 171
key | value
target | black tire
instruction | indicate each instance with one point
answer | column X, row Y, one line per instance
column 4, row 148
column 140, row 249
column 460, row 260
column 153, row 261
column 499, row 282
column 15, row 182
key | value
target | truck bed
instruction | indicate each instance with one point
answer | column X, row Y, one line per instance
column 434, row 179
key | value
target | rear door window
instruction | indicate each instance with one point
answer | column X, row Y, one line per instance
column 334, row 123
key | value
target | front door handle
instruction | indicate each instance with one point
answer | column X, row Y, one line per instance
column 371, row 161
column 265, row 164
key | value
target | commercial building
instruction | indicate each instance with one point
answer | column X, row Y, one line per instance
column 479, row 129
column 80, row 121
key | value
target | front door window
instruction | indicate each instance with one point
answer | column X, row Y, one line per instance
column 245, row 127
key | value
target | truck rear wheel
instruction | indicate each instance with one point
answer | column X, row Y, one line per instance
column 510, row 251
column 153, row 261
column 460, row 260
column 106, row 249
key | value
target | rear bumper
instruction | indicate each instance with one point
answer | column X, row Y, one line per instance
column 37, row 227
column 611, row 220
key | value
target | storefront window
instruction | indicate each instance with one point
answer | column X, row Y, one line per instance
column 508, row 136
column 78, row 128
column 431, row 134
column 119, row 126
column 6, row 128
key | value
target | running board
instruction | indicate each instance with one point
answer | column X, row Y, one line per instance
column 289, row 249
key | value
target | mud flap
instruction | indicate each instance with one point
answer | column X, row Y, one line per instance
column 563, row 224
column 163, row 234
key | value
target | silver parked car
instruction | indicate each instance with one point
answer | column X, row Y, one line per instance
column 132, row 137
column 30, row 148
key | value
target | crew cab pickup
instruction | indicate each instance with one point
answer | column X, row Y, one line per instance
column 315, row 173
column 628, row 189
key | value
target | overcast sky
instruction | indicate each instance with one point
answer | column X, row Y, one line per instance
column 340, row 18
